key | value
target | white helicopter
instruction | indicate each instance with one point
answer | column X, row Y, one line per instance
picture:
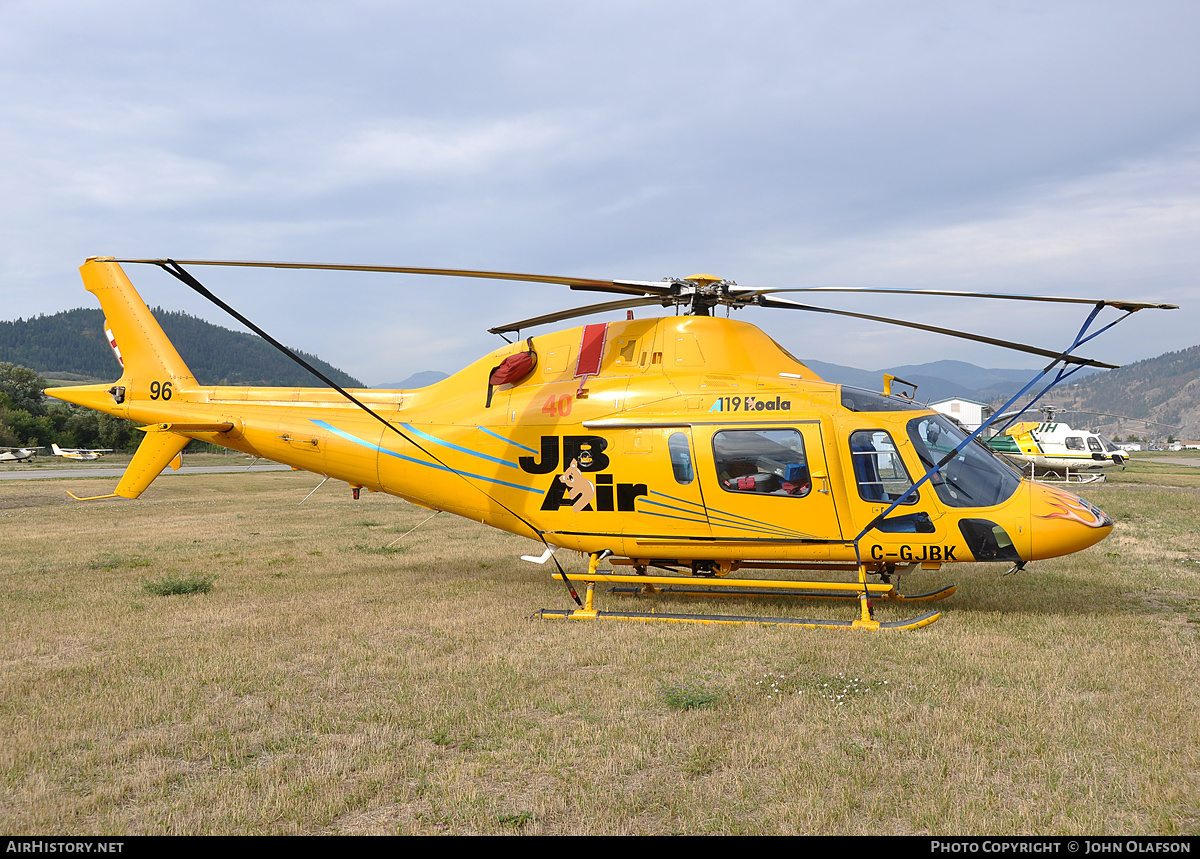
column 1055, row 448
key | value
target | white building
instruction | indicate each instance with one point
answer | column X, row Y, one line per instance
column 967, row 412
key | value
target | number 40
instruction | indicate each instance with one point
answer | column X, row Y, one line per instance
column 557, row 406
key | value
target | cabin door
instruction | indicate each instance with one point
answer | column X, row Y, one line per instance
column 768, row 484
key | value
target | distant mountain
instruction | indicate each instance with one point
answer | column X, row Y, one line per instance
column 416, row 380
column 987, row 384
column 937, row 380
column 1166, row 389
column 841, row 375
column 72, row 345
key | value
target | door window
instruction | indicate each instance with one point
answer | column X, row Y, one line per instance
column 880, row 473
column 764, row 462
column 681, row 458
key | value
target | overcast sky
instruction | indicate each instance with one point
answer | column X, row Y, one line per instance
column 1046, row 148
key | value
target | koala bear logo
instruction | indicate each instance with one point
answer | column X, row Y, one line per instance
column 580, row 490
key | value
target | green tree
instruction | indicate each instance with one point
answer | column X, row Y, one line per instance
column 19, row 427
column 118, row 433
column 82, row 429
column 27, row 420
column 21, row 388
column 8, row 438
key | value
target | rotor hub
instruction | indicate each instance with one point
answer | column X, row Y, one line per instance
column 703, row 292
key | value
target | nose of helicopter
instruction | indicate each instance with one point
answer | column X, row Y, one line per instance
column 1063, row 523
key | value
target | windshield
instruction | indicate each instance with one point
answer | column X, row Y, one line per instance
column 973, row 478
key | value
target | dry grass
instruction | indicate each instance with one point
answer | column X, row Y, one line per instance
column 325, row 684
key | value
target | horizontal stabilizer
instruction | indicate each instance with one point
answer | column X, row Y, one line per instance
column 1021, row 428
column 224, row 426
column 156, row 451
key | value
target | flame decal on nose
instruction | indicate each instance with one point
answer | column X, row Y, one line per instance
column 1075, row 509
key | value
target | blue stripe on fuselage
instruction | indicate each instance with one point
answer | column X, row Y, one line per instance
column 437, row 465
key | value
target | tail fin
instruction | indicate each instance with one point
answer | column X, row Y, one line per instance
column 152, row 367
column 140, row 343
column 55, row 448
column 153, row 370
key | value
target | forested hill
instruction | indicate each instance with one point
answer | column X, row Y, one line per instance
column 73, row 342
column 1166, row 389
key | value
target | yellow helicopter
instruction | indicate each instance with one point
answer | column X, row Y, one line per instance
column 681, row 449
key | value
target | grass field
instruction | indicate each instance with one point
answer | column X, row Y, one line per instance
column 318, row 680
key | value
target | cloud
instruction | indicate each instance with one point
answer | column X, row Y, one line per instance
column 1129, row 233
column 1042, row 148
column 420, row 150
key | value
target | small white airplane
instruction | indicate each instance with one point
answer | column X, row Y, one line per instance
column 17, row 454
column 79, row 452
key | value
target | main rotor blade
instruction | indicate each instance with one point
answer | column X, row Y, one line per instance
column 641, row 287
column 1120, row 304
column 1009, row 414
column 1111, row 415
column 627, row 287
column 950, row 332
column 173, row 268
column 576, row 312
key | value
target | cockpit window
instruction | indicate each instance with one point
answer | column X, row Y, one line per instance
column 1094, row 444
column 973, row 478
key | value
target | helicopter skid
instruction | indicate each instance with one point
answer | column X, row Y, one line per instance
column 1045, row 474
column 655, row 585
column 1071, row 477
column 583, row 614
column 648, row 585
